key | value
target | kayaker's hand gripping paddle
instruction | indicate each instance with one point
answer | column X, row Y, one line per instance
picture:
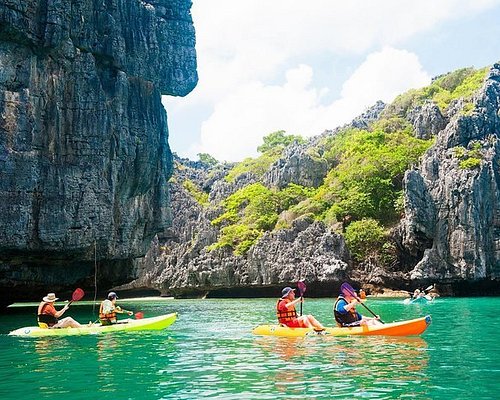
column 346, row 288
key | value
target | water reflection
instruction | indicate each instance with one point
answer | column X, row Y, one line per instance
column 338, row 366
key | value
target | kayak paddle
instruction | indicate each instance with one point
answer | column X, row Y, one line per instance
column 302, row 289
column 77, row 295
column 346, row 288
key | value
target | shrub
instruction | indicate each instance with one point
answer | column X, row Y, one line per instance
column 278, row 139
column 207, row 159
column 257, row 166
column 470, row 163
column 364, row 238
column 199, row 195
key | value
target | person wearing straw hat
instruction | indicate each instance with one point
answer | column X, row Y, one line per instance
column 48, row 316
column 287, row 315
column 108, row 310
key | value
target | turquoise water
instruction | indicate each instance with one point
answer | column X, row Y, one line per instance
column 210, row 353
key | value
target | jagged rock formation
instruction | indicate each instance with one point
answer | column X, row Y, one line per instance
column 452, row 222
column 450, row 232
column 296, row 165
column 84, row 158
column 427, row 120
column 180, row 264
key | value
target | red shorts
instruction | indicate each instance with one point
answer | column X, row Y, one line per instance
column 295, row 323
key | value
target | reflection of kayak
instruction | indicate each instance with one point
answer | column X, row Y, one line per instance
column 146, row 324
column 401, row 328
column 425, row 299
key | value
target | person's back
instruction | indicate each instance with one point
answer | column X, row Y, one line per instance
column 107, row 313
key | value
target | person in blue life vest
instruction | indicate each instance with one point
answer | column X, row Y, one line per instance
column 287, row 315
column 108, row 310
column 345, row 313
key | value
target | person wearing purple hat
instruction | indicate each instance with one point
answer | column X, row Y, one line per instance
column 287, row 315
column 345, row 313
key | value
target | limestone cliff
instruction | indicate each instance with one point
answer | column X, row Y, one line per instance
column 452, row 214
column 179, row 263
column 84, row 157
column 446, row 233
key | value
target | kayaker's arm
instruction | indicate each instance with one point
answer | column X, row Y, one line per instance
column 349, row 306
column 61, row 311
column 122, row 311
column 292, row 303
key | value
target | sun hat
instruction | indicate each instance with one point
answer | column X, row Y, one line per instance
column 50, row 298
column 112, row 295
column 286, row 291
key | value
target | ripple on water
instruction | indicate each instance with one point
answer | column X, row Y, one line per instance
column 210, row 353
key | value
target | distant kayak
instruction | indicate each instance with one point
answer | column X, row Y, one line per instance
column 419, row 300
column 401, row 328
column 146, row 324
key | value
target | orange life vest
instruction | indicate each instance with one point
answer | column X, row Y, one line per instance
column 108, row 316
column 285, row 316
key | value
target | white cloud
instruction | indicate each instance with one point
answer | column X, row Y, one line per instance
column 245, row 48
column 244, row 116
column 245, row 40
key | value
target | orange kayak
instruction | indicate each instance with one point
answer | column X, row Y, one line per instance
column 402, row 328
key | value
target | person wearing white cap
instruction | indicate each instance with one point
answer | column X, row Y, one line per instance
column 48, row 316
column 108, row 310
column 285, row 311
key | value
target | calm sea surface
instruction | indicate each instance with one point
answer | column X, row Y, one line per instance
column 210, row 352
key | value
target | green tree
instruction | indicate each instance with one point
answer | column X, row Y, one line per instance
column 364, row 238
column 278, row 138
column 207, row 159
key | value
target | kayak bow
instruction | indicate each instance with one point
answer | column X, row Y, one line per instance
column 146, row 324
column 401, row 328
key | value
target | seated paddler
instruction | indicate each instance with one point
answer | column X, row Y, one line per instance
column 48, row 316
column 109, row 309
column 345, row 313
column 287, row 315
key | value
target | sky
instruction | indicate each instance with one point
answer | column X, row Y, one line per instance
column 303, row 67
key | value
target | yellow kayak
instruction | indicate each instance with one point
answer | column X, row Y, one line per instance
column 401, row 328
column 146, row 324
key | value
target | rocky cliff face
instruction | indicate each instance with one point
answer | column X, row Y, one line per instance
column 84, row 158
column 180, row 264
column 450, row 232
column 452, row 222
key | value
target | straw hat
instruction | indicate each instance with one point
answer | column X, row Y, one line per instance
column 50, row 298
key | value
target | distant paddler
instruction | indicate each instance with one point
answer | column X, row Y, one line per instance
column 108, row 310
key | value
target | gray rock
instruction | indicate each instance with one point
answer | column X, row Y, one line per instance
column 182, row 265
column 427, row 120
column 83, row 135
column 298, row 165
column 452, row 213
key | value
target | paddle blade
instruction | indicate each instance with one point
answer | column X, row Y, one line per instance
column 347, row 289
column 302, row 287
column 139, row 315
column 77, row 294
column 429, row 288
